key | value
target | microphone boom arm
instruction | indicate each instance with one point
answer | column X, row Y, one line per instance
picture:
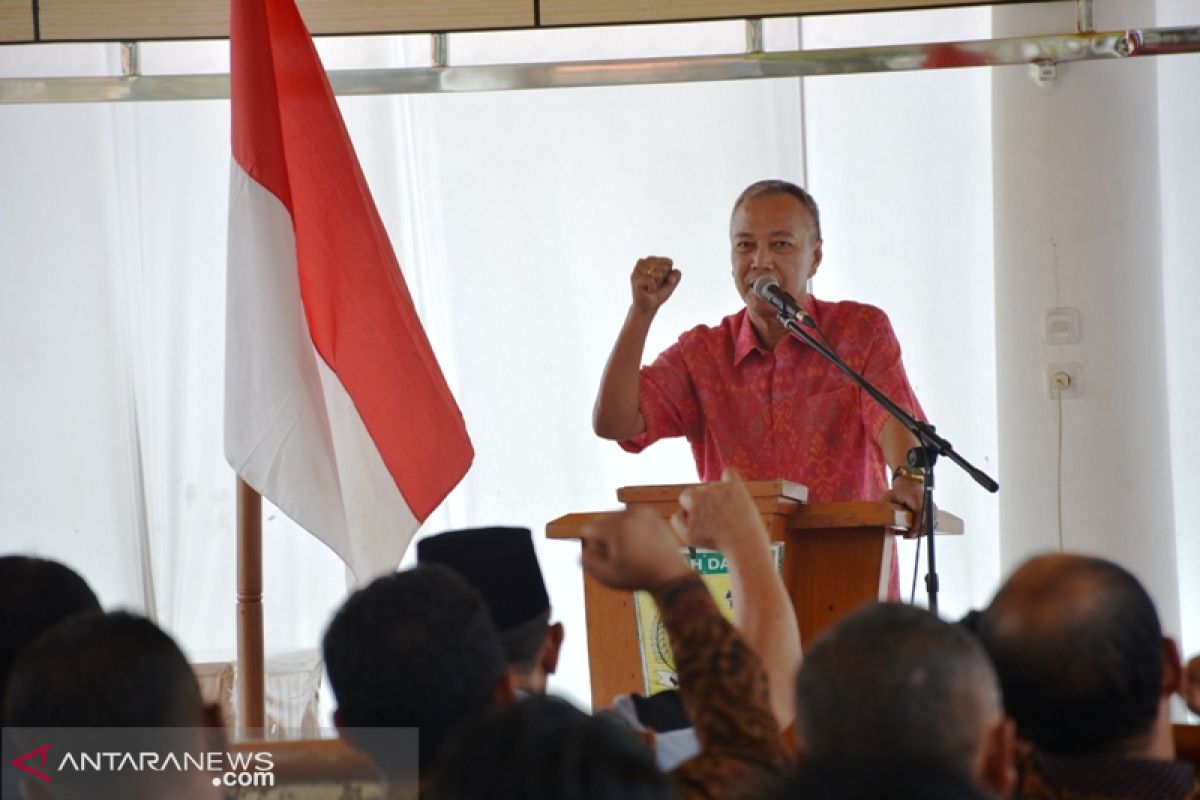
column 925, row 455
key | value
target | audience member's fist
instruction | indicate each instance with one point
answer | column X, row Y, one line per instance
column 718, row 515
column 632, row 550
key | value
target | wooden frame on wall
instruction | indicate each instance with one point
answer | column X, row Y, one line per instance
column 24, row 21
column 614, row 12
column 16, row 21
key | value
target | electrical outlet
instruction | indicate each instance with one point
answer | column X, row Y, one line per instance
column 1068, row 373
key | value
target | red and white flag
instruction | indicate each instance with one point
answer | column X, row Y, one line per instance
column 335, row 407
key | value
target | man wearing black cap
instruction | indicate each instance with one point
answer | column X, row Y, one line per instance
column 502, row 565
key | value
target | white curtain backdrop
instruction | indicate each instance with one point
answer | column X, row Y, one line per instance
column 1179, row 175
column 517, row 217
column 902, row 164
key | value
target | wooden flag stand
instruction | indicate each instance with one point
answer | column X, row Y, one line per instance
column 250, row 682
column 835, row 558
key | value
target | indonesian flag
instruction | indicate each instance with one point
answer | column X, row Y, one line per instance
column 335, row 407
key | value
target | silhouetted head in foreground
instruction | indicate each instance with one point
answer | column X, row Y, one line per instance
column 414, row 649
column 894, row 683
column 1081, row 656
column 545, row 747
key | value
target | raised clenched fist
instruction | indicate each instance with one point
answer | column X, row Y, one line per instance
column 653, row 280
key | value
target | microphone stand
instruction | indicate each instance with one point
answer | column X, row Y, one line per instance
column 924, row 455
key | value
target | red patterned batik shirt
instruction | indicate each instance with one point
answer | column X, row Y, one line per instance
column 783, row 413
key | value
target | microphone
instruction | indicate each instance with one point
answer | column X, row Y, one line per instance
column 769, row 289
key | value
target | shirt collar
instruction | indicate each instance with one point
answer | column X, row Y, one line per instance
column 745, row 338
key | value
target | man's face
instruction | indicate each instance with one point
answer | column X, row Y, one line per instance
column 772, row 235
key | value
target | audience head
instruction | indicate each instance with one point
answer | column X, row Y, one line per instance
column 35, row 594
column 104, row 670
column 885, row 779
column 1080, row 653
column 545, row 747
column 110, row 671
column 413, row 649
column 502, row 566
column 894, row 682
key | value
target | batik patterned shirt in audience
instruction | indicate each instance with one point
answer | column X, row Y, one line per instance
column 724, row 689
column 1104, row 777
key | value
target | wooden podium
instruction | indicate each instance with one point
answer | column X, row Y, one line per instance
column 835, row 558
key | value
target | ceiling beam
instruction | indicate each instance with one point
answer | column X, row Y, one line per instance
column 25, row 21
column 1039, row 51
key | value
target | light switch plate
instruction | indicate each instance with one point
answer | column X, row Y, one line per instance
column 1061, row 326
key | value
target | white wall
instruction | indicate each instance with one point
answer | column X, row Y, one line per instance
column 1179, row 179
column 1078, row 224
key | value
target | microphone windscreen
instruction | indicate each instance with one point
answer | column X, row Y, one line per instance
column 763, row 286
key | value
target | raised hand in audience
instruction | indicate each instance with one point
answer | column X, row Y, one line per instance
column 632, row 550
column 722, row 516
column 722, row 681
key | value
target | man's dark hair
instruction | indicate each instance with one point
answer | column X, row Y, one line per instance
column 35, row 595
column 522, row 644
column 771, row 187
column 103, row 670
column 413, row 649
column 1078, row 647
column 886, row 779
column 894, row 681
column 115, row 682
column 545, row 747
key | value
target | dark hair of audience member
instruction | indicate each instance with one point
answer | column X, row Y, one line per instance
column 113, row 682
column 413, row 649
column 894, row 681
column 887, row 779
column 35, row 595
column 104, row 670
column 1079, row 655
column 522, row 644
column 544, row 747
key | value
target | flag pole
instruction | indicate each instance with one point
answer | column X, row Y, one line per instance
column 251, row 702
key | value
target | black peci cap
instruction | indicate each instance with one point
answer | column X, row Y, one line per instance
column 500, row 563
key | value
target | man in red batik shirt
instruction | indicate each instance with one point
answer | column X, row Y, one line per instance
column 747, row 394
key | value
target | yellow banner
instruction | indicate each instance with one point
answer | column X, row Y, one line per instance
column 658, row 664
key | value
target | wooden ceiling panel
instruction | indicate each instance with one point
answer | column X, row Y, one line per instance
column 16, row 21
column 141, row 20
column 611, row 12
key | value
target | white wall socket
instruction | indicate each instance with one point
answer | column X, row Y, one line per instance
column 1074, row 379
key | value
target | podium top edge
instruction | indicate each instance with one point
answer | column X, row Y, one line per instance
column 786, row 490
column 819, row 516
